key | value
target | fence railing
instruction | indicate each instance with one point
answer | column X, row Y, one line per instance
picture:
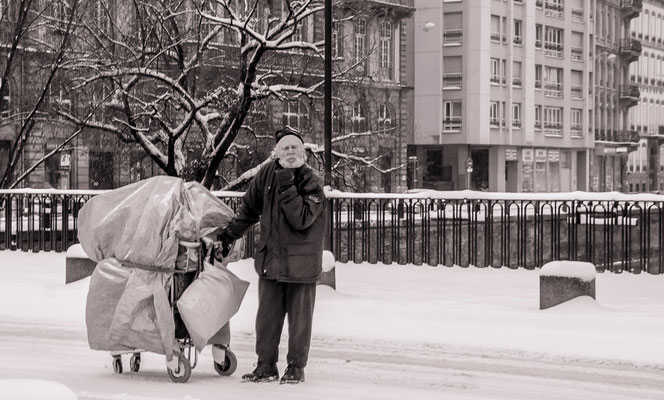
column 616, row 232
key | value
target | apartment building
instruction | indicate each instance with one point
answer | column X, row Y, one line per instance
column 615, row 94
column 503, row 94
column 644, row 167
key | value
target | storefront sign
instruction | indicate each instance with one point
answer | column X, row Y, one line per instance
column 554, row 155
column 511, row 155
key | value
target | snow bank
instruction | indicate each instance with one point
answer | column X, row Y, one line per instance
column 76, row 251
column 570, row 269
column 35, row 389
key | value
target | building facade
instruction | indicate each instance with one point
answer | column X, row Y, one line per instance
column 503, row 94
column 615, row 94
column 644, row 167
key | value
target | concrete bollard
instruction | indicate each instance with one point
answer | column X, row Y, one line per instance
column 77, row 264
column 561, row 281
column 328, row 278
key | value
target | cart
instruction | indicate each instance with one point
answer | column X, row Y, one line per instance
column 190, row 264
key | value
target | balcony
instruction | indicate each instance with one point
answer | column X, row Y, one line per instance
column 575, row 130
column 538, row 3
column 631, row 8
column 516, row 82
column 577, row 92
column 629, row 95
column 553, row 10
column 495, row 37
column 630, row 49
column 517, row 40
column 495, row 79
column 577, row 15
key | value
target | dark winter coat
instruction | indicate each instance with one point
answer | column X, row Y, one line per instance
column 290, row 205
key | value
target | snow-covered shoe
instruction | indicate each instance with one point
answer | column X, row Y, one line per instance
column 292, row 375
column 262, row 373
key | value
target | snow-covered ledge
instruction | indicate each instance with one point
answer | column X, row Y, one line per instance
column 561, row 281
column 77, row 264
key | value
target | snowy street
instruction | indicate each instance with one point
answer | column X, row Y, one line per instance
column 389, row 332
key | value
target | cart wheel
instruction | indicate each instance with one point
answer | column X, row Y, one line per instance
column 229, row 366
column 117, row 364
column 135, row 362
column 183, row 372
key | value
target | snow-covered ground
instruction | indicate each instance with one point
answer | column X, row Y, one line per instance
column 388, row 332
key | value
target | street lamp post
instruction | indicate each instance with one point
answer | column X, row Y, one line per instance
column 328, row 116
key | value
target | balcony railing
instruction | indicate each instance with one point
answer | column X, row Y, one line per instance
column 452, row 124
column 577, row 92
column 577, row 54
column 538, row 125
column 452, row 36
column 517, row 40
column 538, row 84
column 553, row 89
column 631, row 49
column 553, row 10
column 516, row 82
column 553, row 50
column 575, row 130
column 495, row 37
column 495, row 79
column 494, row 122
column 630, row 92
column 452, row 80
column 577, row 15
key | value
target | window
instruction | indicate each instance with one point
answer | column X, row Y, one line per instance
column 359, row 118
column 385, row 45
column 577, row 46
column 495, row 71
column 384, row 118
column 538, row 117
column 208, row 7
column 294, row 114
column 577, row 85
column 538, row 36
column 360, row 40
column 504, row 114
column 516, row 115
column 6, row 102
column 516, row 73
column 518, row 39
column 553, row 121
column 494, row 119
column 453, row 32
column 337, row 40
column 553, row 82
column 100, row 14
column 495, row 28
column 553, row 42
column 575, row 121
column 452, row 73
column 453, row 116
column 553, row 8
column 504, row 71
column 538, row 76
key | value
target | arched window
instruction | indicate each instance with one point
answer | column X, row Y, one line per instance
column 359, row 118
column 384, row 118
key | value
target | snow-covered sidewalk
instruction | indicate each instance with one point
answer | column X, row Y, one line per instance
column 468, row 309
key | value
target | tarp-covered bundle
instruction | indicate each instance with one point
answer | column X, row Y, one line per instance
column 133, row 233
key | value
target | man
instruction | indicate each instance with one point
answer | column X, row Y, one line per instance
column 288, row 199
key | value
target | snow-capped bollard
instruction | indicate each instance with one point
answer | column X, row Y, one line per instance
column 328, row 277
column 561, row 281
column 77, row 265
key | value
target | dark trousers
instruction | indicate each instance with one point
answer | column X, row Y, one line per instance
column 275, row 301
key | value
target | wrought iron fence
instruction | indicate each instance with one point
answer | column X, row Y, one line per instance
column 615, row 232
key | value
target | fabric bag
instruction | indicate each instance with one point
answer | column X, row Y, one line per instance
column 210, row 302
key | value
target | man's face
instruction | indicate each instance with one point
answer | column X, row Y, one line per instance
column 290, row 152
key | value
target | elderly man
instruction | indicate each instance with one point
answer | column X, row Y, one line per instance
column 287, row 197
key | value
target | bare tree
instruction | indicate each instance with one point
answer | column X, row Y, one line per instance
column 185, row 79
column 35, row 52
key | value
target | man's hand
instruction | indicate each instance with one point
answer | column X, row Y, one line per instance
column 225, row 246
